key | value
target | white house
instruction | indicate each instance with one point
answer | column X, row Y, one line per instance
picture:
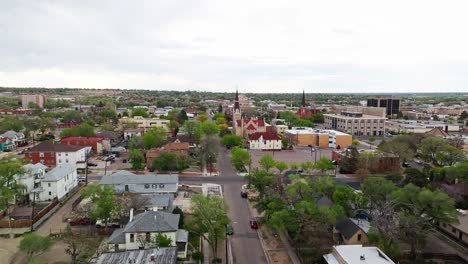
column 17, row 137
column 264, row 141
column 71, row 157
column 357, row 254
column 141, row 232
column 57, row 183
column 32, row 176
column 126, row 181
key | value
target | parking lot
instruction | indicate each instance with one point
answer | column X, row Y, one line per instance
column 298, row 155
column 117, row 164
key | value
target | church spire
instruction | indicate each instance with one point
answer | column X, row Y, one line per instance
column 303, row 103
column 236, row 102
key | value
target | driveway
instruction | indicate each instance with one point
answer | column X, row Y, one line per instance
column 55, row 223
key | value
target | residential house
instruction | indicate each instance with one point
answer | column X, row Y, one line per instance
column 458, row 191
column 131, row 132
column 457, row 231
column 6, row 144
column 158, row 202
column 113, row 137
column 174, row 147
column 351, row 231
column 166, row 255
column 125, row 181
column 31, row 178
column 98, row 144
column 264, row 141
column 141, row 232
column 51, row 154
column 357, row 254
column 18, row 138
column 57, row 183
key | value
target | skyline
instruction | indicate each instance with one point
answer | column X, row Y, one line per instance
column 264, row 47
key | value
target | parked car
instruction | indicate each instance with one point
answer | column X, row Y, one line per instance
column 81, row 178
column 110, row 223
column 243, row 194
column 253, row 224
column 90, row 164
column 229, row 230
column 80, row 221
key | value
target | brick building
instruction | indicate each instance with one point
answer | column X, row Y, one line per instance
column 49, row 154
column 96, row 143
column 304, row 136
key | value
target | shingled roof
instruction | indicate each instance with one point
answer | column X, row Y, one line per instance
column 153, row 221
column 51, row 147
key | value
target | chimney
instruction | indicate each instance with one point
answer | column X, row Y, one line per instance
column 363, row 257
column 131, row 215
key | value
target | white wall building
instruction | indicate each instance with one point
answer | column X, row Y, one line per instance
column 73, row 158
column 357, row 254
column 264, row 141
column 33, row 174
column 57, row 183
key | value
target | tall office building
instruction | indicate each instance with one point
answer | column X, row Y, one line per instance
column 391, row 104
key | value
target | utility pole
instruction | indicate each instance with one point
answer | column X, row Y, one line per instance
column 32, row 213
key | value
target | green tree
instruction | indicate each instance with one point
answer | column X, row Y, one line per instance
column 72, row 115
column 33, row 244
column 267, row 162
column 136, row 142
column 140, row 112
column 154, row 137
column 324, row 164
column 218, row 115
column 137, row 159
column 349, row 162
column 170, row 161
column 202, row 117
column 162, row 240
column 209, row 219
column 182, row 116
column 419, row 209
column 80, row 246
column 232, row 141
column 463, row 115
column 83, row 130
column 179, row 211
column 429, row 146
column 10, row 189
column 108, row 115
column 400, row 149
column 307, row 166
column 416, row 177
column 394, row 177
column 261, row 180
column 104, row 203
column 209, row 128
column 449, row 155
column 11, row 123
column 190, row 128
column 281, row 166
column 240, row 158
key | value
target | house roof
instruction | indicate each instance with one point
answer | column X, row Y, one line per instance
column 436, row 132
column 117, row 237
column 258, row 122
column 173, row 146
column 347, row 228
column 182, row 138
column 264, row 135
column 51, row 147
column 59, row 172
column 11, row 134
column 109, row 134
column 459, row 188
column 166, row 255
column 153, row 221
column 34, row 168
column 92, row 139
column 4, row 139
column 182, row 235
column 351, row 254
column 121, row 177
column 163, row 199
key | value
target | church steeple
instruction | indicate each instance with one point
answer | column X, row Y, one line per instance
column 303, row 103
column 236, row 102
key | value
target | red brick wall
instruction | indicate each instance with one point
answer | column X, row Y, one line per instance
column 34, row 157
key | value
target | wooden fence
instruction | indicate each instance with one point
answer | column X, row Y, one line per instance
column 28, row 222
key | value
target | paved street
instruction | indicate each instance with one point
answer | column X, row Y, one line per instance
column 246, row 245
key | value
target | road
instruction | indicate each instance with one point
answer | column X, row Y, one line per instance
column 246, row 246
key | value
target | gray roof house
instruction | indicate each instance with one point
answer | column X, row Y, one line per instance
column 59, row 172
column 125, row 181
column 166, row 255
column 141, row 230
column 159, row 201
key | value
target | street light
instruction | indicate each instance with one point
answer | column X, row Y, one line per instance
column 312, row 151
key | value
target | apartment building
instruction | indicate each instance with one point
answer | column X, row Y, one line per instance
column 357, row 121
column 391, row 105
column 304, row 136
column 37, row 99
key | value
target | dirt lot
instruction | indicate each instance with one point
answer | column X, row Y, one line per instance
column 274, row 247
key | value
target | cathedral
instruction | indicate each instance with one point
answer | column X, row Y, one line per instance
column 245, row 126
column 304, row 110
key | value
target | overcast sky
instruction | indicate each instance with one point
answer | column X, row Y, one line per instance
column 258, row 46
